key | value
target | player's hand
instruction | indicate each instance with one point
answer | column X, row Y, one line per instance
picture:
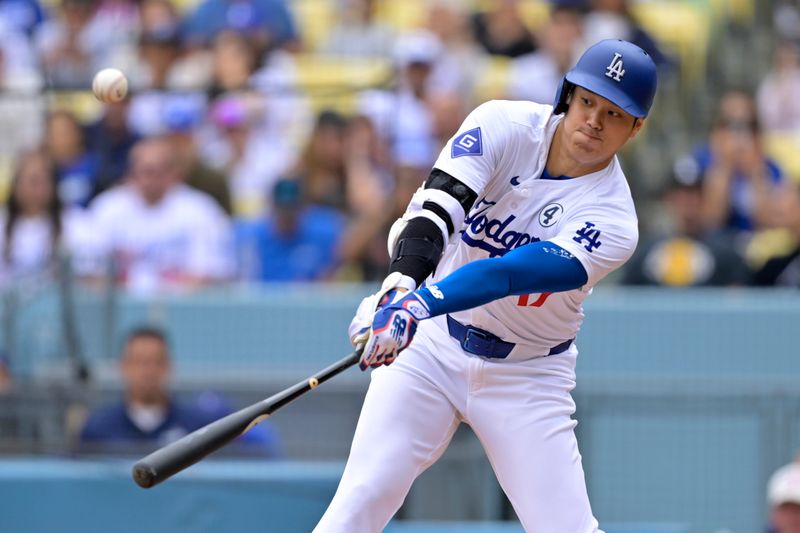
column 394, row 284
column 393, row 329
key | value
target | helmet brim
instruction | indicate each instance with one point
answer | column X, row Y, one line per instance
column 608, row 91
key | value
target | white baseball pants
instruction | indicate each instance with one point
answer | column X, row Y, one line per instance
column 520, row 411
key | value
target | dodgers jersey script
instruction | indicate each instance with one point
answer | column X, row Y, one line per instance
column 500, row 152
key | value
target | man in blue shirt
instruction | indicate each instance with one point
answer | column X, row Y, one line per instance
column 147, row 413
column 295, row 243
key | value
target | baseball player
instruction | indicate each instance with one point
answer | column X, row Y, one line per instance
column 525, row 210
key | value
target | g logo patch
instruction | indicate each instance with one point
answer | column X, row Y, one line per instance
column 550, row 214
column 468, row 143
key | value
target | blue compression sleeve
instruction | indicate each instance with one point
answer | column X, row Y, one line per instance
column 536, row 267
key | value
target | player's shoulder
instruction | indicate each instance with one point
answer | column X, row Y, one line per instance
column 610, row 198
column 521, row 112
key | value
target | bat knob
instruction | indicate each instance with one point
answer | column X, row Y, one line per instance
column 144, row 475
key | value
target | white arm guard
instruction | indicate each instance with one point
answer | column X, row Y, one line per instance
column 416, row 208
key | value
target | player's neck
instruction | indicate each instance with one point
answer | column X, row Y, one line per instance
column 561, row 163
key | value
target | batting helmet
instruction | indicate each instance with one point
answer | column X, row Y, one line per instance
column 617, row 70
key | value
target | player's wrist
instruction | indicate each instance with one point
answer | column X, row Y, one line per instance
column 398, row 280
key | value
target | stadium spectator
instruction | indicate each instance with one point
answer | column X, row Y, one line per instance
column 235, row 59
column 18, row 65
column 33, row 227
column 251, row 155
column 149, row 413
column 536, row 76
column 402, row 116
column 163, row 234
column 76, row 166
column 23, row 16
column 21, row 108
column 612, row 19
column 159, row 50
column 783, row 498
column 296, row 242
column 369, row 183
column 448, row 110
column 501, row 30
column 79, row 41
column 111, row 140
column 784, row 269
column 6, row 379
column 322, row 163
column 685, row 253
column 357, row 33
column 739, row 180
column 183, row 116
column 462, row 62
column 268, row 23
column 778, row 105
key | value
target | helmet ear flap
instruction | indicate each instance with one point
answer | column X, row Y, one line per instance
column 563, row 94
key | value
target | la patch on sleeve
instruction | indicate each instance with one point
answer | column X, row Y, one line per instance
column 468, row 143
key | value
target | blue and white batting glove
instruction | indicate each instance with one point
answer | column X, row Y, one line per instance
column 393, row 329
column 394, row 284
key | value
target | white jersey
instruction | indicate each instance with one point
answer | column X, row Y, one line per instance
column 185, row 234
column 500, row 152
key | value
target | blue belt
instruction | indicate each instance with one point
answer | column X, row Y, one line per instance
column 481, row 342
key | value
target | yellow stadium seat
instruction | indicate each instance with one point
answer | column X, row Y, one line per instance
column 493, row 82
column 767, row 244
column 683, row 27
column 333, row 82
column 784, row 149
column 82, row 104
column 6, row 176
column 533, row 12
column 314, row 18
column 403, row 15
column 739, row 10
column 185, row 6
column 320, row 73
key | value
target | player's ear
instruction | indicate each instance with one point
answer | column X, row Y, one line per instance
column 637, row 127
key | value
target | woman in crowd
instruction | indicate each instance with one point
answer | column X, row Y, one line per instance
column 33, row 228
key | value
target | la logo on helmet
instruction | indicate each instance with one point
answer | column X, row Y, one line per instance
column 615, row 69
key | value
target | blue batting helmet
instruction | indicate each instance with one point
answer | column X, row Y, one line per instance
column 617, row 70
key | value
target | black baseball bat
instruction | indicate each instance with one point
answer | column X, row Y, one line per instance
column 186, row 451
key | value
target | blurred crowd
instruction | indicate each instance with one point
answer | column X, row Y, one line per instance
column 220, row 167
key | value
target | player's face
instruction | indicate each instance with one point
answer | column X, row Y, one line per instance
column 595, row 129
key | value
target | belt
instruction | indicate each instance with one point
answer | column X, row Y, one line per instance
column 486, row 344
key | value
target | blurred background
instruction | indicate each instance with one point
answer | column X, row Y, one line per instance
column 204, row 244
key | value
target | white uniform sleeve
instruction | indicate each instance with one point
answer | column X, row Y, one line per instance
column 473, row 153
column 600, row 243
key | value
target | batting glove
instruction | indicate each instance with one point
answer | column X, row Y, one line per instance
column 393, row 329
column 394, row 284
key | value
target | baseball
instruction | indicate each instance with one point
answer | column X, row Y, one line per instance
column 110, row 85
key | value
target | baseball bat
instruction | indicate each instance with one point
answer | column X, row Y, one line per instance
column 186, row 451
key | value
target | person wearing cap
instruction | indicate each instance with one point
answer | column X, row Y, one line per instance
column 296, row 242
column 403, row 116
column 182, row 116
column 783, row 269
column 783, row 498
column 524, row 212
column 684, row 253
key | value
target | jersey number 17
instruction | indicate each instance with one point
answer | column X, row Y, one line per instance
column 525, row 299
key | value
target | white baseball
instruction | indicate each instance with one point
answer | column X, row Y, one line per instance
column 110, row 85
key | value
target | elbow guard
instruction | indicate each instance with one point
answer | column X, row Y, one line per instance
column 443, row 200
